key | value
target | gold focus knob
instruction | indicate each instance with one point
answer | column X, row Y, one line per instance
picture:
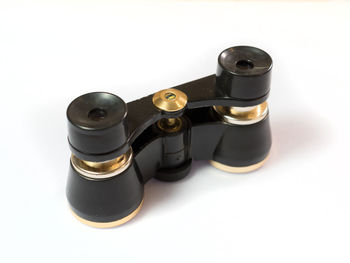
column 170, row 100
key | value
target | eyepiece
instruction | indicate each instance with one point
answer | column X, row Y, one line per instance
column 96, row 126
column 244, row 73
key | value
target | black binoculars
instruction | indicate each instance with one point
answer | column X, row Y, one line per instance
column 117, row 147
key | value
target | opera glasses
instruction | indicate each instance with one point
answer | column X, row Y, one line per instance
column 118, row 147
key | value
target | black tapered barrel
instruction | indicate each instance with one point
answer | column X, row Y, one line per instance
column 104, row 200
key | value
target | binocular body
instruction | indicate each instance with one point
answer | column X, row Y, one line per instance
column 118, row 147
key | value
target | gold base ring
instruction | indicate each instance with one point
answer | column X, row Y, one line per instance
column 109, row 224
column 243, row 169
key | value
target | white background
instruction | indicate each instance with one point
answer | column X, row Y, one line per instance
column 295, row 209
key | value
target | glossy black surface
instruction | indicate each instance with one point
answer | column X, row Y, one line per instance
column 244, row 145
column 97, row 126
column 100, row 139
column 244, row 73
column 104, row 200
column 164, row 156
column 102, row 127
column 208, row 138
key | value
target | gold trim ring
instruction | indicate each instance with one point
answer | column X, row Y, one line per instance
column 242, row 115
column 108, row 224
column 102, row 170
column 243, row 169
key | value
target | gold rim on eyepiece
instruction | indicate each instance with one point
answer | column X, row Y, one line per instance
column 109, row 224
column 170, row 100
column 102, row 170
column 242, row 115
column 238, row 170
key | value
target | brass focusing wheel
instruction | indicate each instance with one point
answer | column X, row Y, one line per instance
column 170, row 100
